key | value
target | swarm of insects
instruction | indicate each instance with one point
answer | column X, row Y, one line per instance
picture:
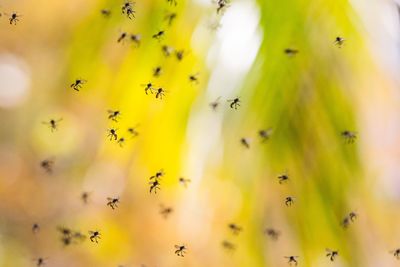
column 53, row 124
column 112, row 202
column 128, row 9
column 236, row 229
column 234, row 103
column 77, row 84
column 292, row 260
column 332, row 254
column 180, row 250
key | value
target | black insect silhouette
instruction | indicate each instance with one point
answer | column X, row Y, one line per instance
column 228, row 245
column 112, row 133
column 289, row 201
column 148, row 87
column 339, row 41
column 157, row 71
column 170, row 17
column 183, row 181
column 154, row 186
column 35, row 228
column 159, row 35
column 332, row 254
column 353, row 216
column 272, row 233
column 283, row 178
column 133, row 132
column 292, row 260
column 180, row 54
column 113, row 202
column 128, row 9
column 222, row 5
column 193, row 78
column 53, row 124
column 122, row 37
column 265, row 134
column 345, row 222
column 113, row 115
column 160, row 93
column 85, row 197
column 165, row 211
column 40, row 261
column 121, row 141
column 158, row 175
column 47, row 165
column 245, row 142
column 172, row 2
column 77, row 84
column 396, row 253
column 167, row 50
column 234, row 103
column 105, row 12
column 136, row 39
column 349, row 136
column 236, row 229
column 180, row 250
column 94, row 236
column 214, row 105
column 14, row 18
column 291, row 52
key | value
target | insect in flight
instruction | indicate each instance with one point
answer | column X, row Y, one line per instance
column 183, row 181
column 234, row 103
column 228, row 245
column 283, row 178
column 180, row 250
column 14, row 18
column 265, row 134
column 154, row 186
column 77, row 84
column 35, row 228
column 158, row 175
column 112, row 202
column 121, row 141
column 160, row 93
column 396, row 253
column 53, row 124
column 112, row 133
column 157, row 71
column 170, row 17
column 272, row 233
column 158, row 35
column 148, row 87
column 245, row 142
column 165, row 211
column 113, row 115
column 132, row 131
column 180, row 54
column 352, row 216
column 214, row 105
column 235, row 228
column 40, row 261
column 47, row 165
column 332, row 254
column 128, row 9
column 105, row 12
column 349, row 136
column 122, row 37
column 172, row 2
column 94, row 236
column 292, row 260
column 222, row 5
column 136, row 39
column 339, row 41
column 193, row 78
column 167, row 50
column 85, row 197
column 291, row 52
column 289, row 201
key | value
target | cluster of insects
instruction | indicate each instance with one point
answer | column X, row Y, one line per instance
column 69, row 236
